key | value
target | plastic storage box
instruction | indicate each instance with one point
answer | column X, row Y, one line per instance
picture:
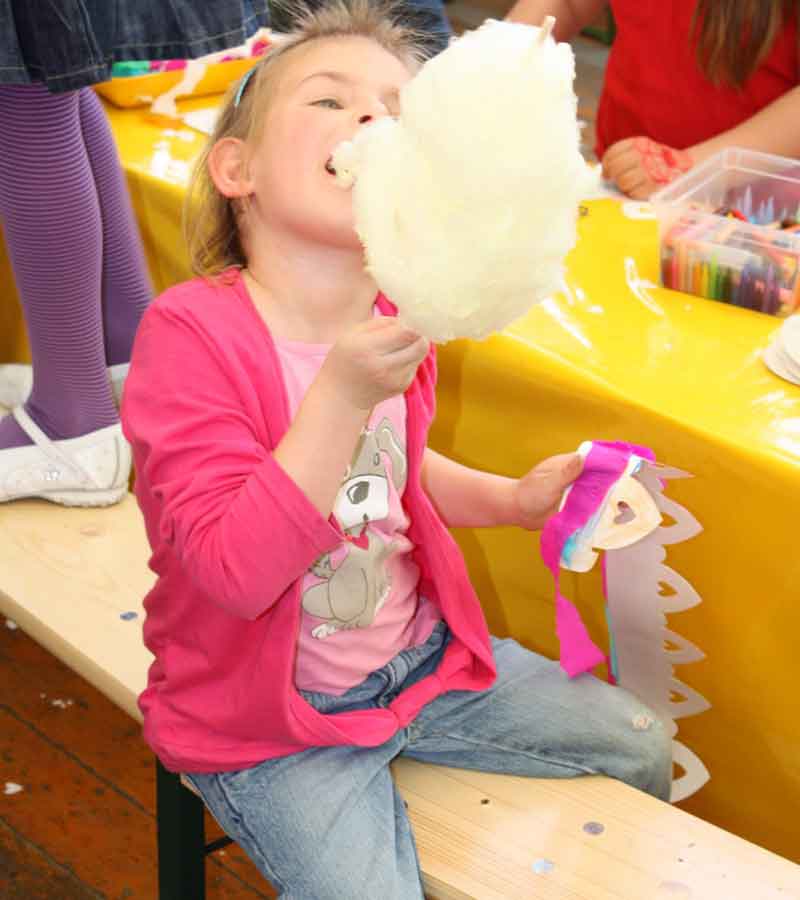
column 729, row 230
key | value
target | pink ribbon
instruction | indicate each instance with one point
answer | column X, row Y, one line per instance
column 604, row 465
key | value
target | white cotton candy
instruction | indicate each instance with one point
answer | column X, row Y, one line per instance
column 467, row 204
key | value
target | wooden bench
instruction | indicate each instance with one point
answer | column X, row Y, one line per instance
column 67, row 577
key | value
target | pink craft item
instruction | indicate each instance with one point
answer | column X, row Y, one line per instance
column 604, row 465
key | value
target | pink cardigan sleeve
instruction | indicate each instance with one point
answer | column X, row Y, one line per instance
column 213, row 496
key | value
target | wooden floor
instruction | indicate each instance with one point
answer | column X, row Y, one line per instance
column 83, row 825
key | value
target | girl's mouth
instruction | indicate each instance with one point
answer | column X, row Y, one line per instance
column 329, row 166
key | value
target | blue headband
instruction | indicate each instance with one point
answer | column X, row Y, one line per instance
column 242, row 85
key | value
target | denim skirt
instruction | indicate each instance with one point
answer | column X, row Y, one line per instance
column 67, row 44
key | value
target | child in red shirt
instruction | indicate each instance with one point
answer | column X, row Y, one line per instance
column 677, row 86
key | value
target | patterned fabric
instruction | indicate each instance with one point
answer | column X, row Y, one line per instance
column 72, row 43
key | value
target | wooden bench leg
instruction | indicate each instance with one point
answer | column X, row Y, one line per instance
column 181, row 839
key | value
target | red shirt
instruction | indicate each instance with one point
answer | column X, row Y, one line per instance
column 655, row 87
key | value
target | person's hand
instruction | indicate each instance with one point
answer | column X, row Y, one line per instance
column 537, row 495
column 373, row 361
column 639, row 166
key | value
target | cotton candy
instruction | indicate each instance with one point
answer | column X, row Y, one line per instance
column 467, row 203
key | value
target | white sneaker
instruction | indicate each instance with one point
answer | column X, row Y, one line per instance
column 91, row 470
column 16, row 381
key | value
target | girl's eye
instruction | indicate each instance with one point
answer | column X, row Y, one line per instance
column 328, row 103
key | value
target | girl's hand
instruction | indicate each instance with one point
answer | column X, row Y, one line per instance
column 373, row 361
column 537, row 495
column 640, row 166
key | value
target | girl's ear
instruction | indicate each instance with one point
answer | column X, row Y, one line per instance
column 227, row 167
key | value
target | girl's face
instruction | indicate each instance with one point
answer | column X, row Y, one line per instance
column 326, row 90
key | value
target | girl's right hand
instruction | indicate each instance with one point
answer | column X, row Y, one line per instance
column 373, row 361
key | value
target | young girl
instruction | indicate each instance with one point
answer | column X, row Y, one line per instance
column 313, row 618
column 687, row 78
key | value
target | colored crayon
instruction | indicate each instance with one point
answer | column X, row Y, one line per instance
column 704, row 279
column 675, row 273
column 758, row 295
column 737, row 279
column 665, row 261
column 713, row 269
column 681, row 284
column 695, row 272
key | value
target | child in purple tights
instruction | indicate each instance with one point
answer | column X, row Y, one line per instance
column 70, row 231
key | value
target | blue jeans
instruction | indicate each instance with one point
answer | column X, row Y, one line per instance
column 329, row 823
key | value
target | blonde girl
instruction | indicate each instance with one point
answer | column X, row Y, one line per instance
column 313, row 618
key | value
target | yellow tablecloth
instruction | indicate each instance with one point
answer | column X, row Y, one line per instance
column 679, row 374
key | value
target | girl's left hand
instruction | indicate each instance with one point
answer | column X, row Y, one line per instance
column 639, row 166
column 537, row 495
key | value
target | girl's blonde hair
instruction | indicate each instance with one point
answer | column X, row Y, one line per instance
column 210, row 221
column 735, row 36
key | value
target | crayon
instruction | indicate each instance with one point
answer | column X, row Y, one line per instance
column 737, row 286
column 773, row 300
column 752, row 289
column 727, row 287
column 704, row 279
column 719, row 287
column 769, row 289
column 675, row 274
column 667, row 266
column 682, row 280
column 713, row 271
column 695, row 268
column 758, row 295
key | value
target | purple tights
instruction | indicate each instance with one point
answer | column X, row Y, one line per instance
column 76, row 254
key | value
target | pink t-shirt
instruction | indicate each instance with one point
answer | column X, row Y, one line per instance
column 360, row 603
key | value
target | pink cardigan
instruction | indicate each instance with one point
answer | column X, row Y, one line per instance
column 232, row 535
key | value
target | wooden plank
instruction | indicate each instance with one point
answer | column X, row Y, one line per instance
column 473, row 848
column 67, row 575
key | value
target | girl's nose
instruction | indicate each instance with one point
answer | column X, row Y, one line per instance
column 374, row 110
